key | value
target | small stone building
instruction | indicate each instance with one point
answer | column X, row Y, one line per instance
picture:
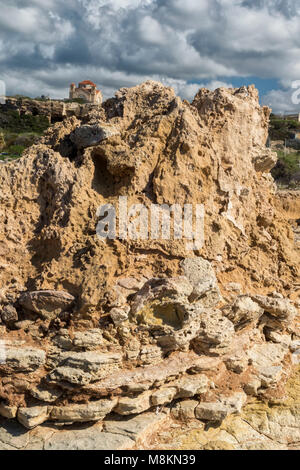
column 86, row 91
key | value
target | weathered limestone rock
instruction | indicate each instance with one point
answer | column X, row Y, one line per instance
column 12, row 435
column 176, row 290
column 93, row 411
column 295, row 345
column 265, row 160
column 203, row 279
column 139, row 428
column 90, row 135
column 131, row 284
column 88, row 439
column 151, row 354
column 32, row 417
column 190, row 386
column 63, row 340
column 284, row 340
column 47, row 303
column 48, row 395
column 215, row 332
column 82, row 368
column 175, row 365
column 244, row 311
column 253, row 385
column 216, row 411
column 184, row 410
column 71, row 375
column 163, row 305
column 134, row 405
column 119, row 315
column 235, row 402
column 237, row 364
column 163, row 396
column 74, row 347
column 23, row 359
column 267, row 360
column 211, row 411
column 9, row 315
column 281, row 309
column 8, row 412
column 89, row 339
column 270, row 375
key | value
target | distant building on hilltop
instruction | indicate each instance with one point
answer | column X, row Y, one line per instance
column 294, row 117
column 86, row 91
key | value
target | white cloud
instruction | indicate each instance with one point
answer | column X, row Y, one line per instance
column 281, row 101
column 122, row 42
column 188, row 90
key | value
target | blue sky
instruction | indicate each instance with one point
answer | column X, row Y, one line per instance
column 47, row 44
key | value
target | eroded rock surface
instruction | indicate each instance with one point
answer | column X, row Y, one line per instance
column 93, row 329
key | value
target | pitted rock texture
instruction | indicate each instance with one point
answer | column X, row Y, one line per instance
column 91, row 327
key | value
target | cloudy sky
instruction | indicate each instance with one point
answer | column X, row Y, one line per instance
column 47, row 44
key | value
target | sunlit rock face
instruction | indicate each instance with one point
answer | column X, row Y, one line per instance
column 92, row 326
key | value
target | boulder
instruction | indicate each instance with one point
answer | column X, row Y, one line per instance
column 282, row 310
column 8, row 412
column 47, row 303
column 32, row 417
column 215, row 332
column 83, row 367
column 89, row 339
column 76, row 413
column 91, row 135
column 184, row 410
column 24, row 359
column 201, row 275
column 163, row 396
column 244, row 311
column 211, row 411
column 119, row 315
column 9, row 315
column 265, row 160
column 134, row 405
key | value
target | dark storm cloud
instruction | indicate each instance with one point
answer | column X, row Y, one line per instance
column 45, row 44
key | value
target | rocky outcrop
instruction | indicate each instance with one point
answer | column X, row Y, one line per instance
column 54, row 110
column 46, row 303
column 97, row 328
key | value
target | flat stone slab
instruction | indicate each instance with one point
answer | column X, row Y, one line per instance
column 13, row 436
column 88, row 439
column 138, row 428
column 115, row 433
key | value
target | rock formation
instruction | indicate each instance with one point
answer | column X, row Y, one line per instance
column 53, row 110
column 95, row 329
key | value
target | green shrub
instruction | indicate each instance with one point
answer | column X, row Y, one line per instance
column 281, row 129
column 15, row 150
column 25, row 123
column 287, row 166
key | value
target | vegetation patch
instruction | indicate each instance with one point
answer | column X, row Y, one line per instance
column 17, row 133
column 281, row 128
column 287, row 170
